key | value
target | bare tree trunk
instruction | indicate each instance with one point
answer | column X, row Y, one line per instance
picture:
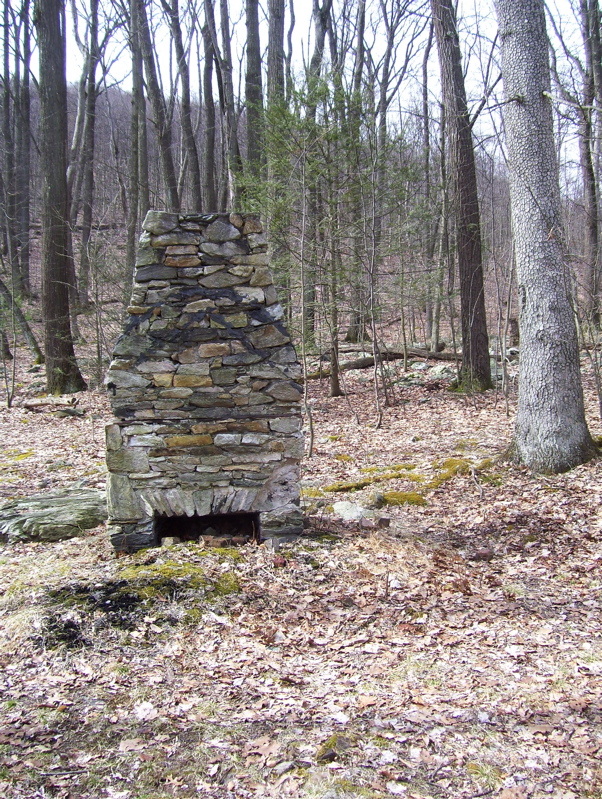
column 589, row 19
column 253, row 90
column 87, row 157
column 551, row 434
column 23, row 146
column 209, row 187
column 7, row 299
column 357, row 326
column 160, row 116
column 192, row 156
column 62, row 372
column 275, row 52
column 10, row 197
column 476, row 368
column 134, row 155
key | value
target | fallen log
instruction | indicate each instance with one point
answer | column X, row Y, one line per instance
column 389, row 355
column 38, row 402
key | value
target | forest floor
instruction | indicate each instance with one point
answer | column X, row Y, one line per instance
column 455, row 653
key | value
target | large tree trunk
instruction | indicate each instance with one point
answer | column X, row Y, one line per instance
column 253, row 91
column 12, row 308
column 62, row 372
column 87, row 158
column 134, row 155
column 160, row 116
column 209, row 183
column 276, row 52
column 188, row 139
column 23, row 145
column 476, row 368
column 551, row 433
column 589, row 21
column 10, row 197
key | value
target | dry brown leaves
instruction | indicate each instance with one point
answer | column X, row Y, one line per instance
column 457, row 653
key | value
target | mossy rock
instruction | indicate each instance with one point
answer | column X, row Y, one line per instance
column 227, row 583
column 53, row 516
column 155, row 579
column 403, row 498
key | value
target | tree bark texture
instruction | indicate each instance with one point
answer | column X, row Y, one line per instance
column 10, row 197
column 209, row 184
column 62, row 372
column 188, row 138
column 253, row 90
column 589, row 22
column 160, row 115
column 551, row 434
column 276, row 52
column 476, row 369
column 87, row 158
column 23, row 145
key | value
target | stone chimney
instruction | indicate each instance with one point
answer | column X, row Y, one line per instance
column 206, row 439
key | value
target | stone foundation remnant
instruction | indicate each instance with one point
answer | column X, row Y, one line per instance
column 206, row 439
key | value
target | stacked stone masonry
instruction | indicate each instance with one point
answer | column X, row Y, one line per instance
column 203, row 383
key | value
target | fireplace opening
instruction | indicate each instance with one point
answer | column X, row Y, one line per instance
column 216, row 529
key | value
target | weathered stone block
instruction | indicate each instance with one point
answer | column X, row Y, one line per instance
column 181, row 261
column 113, row 436
column 145, row 441
column 176, row 393
column 199, row 305
column 127, row 460
column 117, row 378
column 175, row 238
column 261, row 277
column 241, row 359
column 251, row 294
column 257, row 240
column 203, row 501
column 212, row 350
column 228, row 249
column 194, row 368
column 156, row 366
column 268, row 336
column 236, row 320
column 227, row 439
column 155, row 272
column 219, row 280
column 182, row 249
column 286, row 424
column 221, row 231
column 253, row 259
column 149, row 256
column 192, row 381
column 286, row 391
column 158, row 222
column 188, row 440
column 252, row 225
column 122, row 502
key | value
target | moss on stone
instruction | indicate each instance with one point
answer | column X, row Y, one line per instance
column 153, row 579
column 312, row 492
column 396, row 471
column 447, row 469
column 227, row 583
column 403, row 498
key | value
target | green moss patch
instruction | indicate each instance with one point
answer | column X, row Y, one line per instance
column 153, row 579
column 376, row 475
column 403, row 498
